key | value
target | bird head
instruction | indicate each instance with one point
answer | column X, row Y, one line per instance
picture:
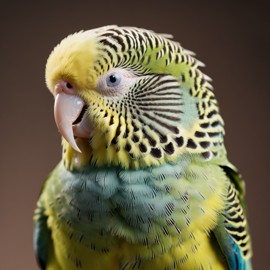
column 129, row 97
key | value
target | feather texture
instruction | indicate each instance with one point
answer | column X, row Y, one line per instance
column 152, row 187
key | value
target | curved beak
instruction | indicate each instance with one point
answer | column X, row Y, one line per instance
column 67, row 109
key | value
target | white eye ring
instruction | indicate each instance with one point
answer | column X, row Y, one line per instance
column 113, row 79
column 116, row 82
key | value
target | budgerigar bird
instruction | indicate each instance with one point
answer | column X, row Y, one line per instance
column 144, row 181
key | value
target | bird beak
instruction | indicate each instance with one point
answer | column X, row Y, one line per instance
column 67, row 109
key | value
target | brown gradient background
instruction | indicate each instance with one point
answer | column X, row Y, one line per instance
column 231, row 38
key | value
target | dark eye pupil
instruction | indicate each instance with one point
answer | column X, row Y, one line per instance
column 113, row 79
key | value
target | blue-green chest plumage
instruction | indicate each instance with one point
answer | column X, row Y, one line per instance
column 157, row 209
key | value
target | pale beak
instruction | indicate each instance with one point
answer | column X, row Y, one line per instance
column 70, row 115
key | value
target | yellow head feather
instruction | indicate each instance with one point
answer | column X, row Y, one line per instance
column 159, row 126
column 73, row 60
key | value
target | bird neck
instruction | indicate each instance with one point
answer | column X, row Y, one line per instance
column 73, row 160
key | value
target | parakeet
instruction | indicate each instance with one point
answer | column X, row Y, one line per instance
column 144, row 181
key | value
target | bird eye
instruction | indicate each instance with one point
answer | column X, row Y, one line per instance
column 113, row 79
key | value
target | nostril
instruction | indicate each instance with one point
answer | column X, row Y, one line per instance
column 64, row 86
column 68, row 85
